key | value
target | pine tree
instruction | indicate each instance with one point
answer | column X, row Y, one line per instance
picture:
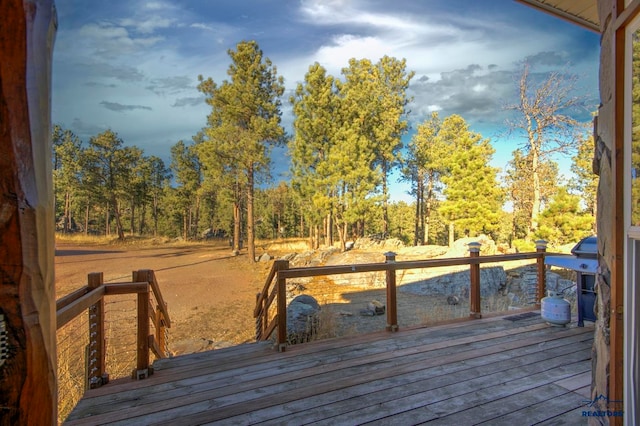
column 244, row 123
column 374, row 97
column 316, row 110
column 473, row 198
column 187, row 172
column 564, row 221
column 109, row 164
column 423, row 168
column 585, row 181
column 67, row 153
column 519, row 183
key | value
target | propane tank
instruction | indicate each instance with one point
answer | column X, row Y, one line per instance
column 555, row 309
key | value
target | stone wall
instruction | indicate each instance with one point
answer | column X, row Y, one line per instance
column 602, row 165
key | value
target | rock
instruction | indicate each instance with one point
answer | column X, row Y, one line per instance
column 492, row 279
column 377, row 244
column 422, row 252
column 376, row 307
column 294, row 289
column 289, row 256
column 302, row 319
column 453, row 300
column 265, row 257
column 460, row 248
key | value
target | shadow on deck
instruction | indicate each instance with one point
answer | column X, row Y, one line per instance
column 507, row 370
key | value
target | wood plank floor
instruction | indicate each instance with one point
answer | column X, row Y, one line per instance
column 495, row 371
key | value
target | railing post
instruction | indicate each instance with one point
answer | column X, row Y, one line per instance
column 259, row 318
column 142, row 370
column 282, row 305
column 392, row 304
column 96, row 375
column 474, row 293
column 541, row 247
column 161, row 332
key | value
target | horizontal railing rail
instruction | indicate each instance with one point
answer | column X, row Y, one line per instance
column 270, row 319
column 91, row 298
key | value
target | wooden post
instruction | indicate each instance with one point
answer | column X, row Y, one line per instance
column 142, row 370
column 474, row 293
column 28, row 393
column 392, row 304
column 541, row 247
column 161, row 332
column 96, row 374
column 258, row 319
column 282, row 305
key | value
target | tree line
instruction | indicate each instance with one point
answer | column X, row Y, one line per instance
column 347, row 142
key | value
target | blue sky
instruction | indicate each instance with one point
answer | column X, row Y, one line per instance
column 132, row 66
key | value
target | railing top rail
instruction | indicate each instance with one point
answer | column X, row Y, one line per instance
column 277, row 266
column 400, row 265
column 159, row 299
column 79, row 305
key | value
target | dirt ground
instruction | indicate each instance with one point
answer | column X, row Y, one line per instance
column 210, row 293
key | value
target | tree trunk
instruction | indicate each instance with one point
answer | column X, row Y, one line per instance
column 451, row 234
column 416, row 223
column 27, row 293
column 251, row 247
column 342, row 233
column 535, row 207
column 185, row 224
column 132, row 231
column 426, row 214
column 116, row 212
column 142, row 223
column 236, row 228
column 86, row 219
column 67, row 212
column 385, row 199
column 107, row 223
column 155, row 215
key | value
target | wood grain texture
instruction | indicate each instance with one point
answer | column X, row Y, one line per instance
column 27, row 294
column 487, row 370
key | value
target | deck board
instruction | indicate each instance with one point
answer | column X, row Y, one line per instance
column 488, row 370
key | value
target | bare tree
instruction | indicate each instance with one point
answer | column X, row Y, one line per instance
column 544, row 111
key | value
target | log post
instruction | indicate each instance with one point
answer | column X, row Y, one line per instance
column 474, row 293
column 28, row 393
column 392, row 305
column 142, row 370
column 96, row 376
column 541, row 247
column 282, row 305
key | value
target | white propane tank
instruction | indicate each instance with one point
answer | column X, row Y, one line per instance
column 555, row 309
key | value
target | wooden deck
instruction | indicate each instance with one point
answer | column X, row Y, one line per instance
column 499, row 371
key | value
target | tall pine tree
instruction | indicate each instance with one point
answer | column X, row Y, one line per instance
column 245, row 123
column 473, row 198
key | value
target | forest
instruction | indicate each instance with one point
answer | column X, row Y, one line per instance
column 345, row 145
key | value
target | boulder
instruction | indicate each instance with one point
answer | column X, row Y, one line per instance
column 265, row 257
column 302, row 319
column 492, row 280
column 460, row 248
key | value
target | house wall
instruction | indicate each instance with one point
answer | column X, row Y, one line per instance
column 604, row 136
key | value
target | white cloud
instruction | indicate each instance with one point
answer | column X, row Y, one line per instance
column 148, row 25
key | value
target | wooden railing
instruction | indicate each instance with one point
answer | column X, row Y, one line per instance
column 91, row 298
column 270, row 319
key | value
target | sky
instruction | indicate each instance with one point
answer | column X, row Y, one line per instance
column 133, row 65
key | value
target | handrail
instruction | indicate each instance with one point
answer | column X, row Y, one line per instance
column 91, row 298
column 275, row 285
